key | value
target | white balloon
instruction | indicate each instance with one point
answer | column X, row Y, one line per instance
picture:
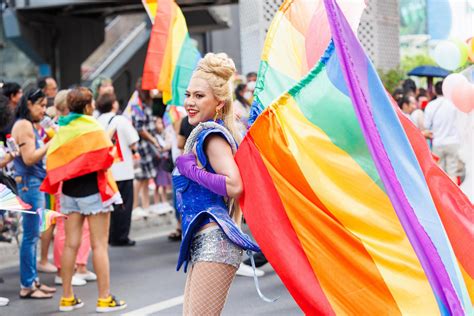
column 450, row 82
column 447, row 55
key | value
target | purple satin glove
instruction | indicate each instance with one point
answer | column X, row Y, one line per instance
column 187, row 166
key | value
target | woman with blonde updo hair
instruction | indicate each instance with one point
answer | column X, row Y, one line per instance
column 208, row 183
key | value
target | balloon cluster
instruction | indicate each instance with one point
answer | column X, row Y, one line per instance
column 452, row 54
column 460, row 91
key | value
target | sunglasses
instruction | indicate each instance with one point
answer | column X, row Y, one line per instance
column 36, row 95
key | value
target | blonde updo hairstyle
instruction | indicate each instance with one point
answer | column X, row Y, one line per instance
column 218, row 70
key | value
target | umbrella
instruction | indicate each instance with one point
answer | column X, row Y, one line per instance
column 429, row 72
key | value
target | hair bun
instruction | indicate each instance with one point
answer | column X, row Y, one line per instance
column 218, row 64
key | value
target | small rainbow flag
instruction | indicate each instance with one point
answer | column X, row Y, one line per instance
column 171, row 115
column 344, row 199
column 48, row 218
column 10, row 202
column 172, row 56
column 81, row 146
column 134, row 107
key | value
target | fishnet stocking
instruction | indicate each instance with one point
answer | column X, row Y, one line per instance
column 206, row 288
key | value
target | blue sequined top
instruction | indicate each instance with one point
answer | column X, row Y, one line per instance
column 199, row 206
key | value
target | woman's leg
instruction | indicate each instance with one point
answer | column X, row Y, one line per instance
column 84, row 248
column 28, row 273
column 29, row 192
column 99, row 230
column 46, row 238
column 163, row 194
column 136, row 189
column 208, row 285
column 73, row 227
column 145, row 193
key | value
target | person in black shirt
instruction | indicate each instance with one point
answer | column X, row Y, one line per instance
column 82, row 198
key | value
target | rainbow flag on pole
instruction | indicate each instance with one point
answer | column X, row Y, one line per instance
column 345, row 203
column 171, row 56
column 10, row 202
column 48, row 218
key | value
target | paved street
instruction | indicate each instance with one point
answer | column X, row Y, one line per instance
column 145, row 277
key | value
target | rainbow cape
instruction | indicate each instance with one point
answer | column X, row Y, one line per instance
column 10, row 202
column 171, row 57
column 48, row 218
column 81, row 146
column 344, row 199
column 296, row 39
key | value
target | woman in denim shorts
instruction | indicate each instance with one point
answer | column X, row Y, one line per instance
column 85, row 146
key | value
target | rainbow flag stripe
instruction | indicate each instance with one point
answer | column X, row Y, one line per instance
column 171, row 56
column 48, row 218
column 171, row 115
column 81, row 146
column 296, row 39
column 330, row 173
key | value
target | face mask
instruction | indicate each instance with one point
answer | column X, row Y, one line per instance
column 251, row 85
column 248, row 95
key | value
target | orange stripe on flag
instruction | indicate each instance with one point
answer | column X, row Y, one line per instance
column 342, row 265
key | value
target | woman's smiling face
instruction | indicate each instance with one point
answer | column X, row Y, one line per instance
column 200, row 102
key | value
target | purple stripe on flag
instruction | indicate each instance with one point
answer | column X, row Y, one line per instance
column 354, row 65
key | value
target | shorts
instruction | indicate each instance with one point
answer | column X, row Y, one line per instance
column 212, row 245
column 88, row 205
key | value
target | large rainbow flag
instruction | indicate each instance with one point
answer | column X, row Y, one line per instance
column 296, row 39
column 81, row 146
column 344, row 199
column 171, row 56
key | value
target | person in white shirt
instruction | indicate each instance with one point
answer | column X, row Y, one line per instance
column 440, row 118
column 126, row 137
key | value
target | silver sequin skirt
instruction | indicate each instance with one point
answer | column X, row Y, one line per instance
column 212, row 245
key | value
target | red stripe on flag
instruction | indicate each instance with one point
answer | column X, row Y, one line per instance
column 157, row 45
column 264, row 206
column 454, row 208
column 90, row 162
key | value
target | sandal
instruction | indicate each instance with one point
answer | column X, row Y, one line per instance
column 36, row 294
column 176, row 235
column 44, row 288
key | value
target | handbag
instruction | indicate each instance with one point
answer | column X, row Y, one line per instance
column 168, row 164
column 8, row 181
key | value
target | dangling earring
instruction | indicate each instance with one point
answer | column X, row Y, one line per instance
column 216, row 115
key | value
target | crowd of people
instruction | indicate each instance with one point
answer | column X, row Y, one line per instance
column 437, row 119
column 145, row 147
column 85, row 155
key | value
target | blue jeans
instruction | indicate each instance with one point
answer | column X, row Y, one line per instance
column 29, row 192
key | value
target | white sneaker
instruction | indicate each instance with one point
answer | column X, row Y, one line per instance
column 4, row 301
column 139, row 213
column 75, row 281
column 88, row 276
column 247, row 271
column 161, row 208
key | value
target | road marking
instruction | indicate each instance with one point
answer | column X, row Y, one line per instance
column 154, row 308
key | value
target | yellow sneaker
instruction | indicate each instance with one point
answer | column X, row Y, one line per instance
column 70, row 304
column 109, row 304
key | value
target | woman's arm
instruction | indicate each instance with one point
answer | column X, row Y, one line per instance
column 25, row 138
column 222, row 161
